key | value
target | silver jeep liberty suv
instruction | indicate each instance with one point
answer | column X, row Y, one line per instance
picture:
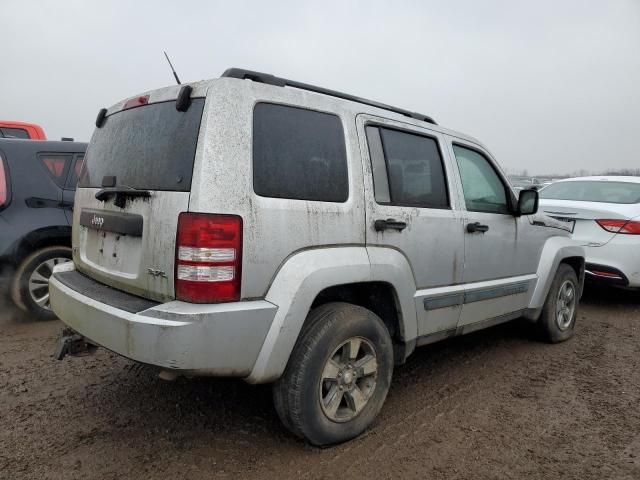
column 256, row 227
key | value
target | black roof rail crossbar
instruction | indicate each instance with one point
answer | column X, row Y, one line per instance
column 283, row 82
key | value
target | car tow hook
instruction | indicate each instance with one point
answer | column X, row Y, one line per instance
column 74, row 344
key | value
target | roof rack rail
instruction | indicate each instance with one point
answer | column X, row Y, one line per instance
column 283, row 82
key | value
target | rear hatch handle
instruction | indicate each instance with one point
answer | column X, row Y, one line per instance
column 121, row 194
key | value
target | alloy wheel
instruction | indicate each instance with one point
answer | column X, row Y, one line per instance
column 348, row 379
column 566, row 305
column 39, row 281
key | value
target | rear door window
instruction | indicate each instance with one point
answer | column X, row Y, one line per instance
column 407, row 169
column 151, row 147
column 299, row 154
column 56, row 165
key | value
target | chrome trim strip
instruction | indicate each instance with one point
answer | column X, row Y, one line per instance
column 612, row 277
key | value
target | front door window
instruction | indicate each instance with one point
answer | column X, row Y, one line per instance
column 483, row 189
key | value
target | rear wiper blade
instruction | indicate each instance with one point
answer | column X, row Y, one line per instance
column 105, row 193
column 121, row 194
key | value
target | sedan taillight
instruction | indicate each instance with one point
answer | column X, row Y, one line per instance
column 627, row 227
column 4, row 186
column 208, row 258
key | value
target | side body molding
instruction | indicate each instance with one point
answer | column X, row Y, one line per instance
column 301, row 278
column 555, row 250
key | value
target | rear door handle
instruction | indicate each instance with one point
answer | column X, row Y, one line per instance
column 477, row 227
column 389, row 224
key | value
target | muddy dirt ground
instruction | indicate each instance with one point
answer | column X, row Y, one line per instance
column 491, row 405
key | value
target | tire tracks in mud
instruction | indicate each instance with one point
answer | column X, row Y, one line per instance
column 552, row 372
column 494, row 404
column 611, row 392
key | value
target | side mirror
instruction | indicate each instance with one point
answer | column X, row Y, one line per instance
column 528, row 202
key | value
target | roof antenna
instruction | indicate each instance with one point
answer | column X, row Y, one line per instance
column 172, row 69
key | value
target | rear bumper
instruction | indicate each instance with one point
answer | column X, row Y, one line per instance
column 216, row 340
column 620, row 256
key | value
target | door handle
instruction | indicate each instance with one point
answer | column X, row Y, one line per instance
column 477, row 227
column 389, row 224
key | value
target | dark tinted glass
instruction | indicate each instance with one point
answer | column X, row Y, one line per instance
column 74, row 173
column 593, row 191
column 151, row 148
column 14, row 132
column 298, row 154
column 378, row 166
column 414, row 168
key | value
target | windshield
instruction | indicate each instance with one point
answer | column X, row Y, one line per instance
column 593, row 191
column 150, row 148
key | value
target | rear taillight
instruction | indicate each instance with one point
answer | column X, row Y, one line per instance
column 4, row 188
column 208, row 258
column 627, row 227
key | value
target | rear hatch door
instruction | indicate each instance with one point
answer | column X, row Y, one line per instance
column 134, row 183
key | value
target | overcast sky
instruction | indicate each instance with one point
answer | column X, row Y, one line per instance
column 547, row 85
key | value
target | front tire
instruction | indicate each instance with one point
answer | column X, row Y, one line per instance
column 338, row 375
column 558, row 319
column 30, row 285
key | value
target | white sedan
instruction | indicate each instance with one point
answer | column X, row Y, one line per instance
column 604, row 215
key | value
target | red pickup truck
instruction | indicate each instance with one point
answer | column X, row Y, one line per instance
column 12, row 129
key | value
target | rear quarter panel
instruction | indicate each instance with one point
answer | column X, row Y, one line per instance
column 274, row 228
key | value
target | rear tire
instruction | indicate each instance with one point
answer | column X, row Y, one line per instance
column 558, row 319
column 30, row 287
column 338, row 375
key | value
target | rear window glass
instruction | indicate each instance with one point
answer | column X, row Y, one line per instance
column 151, row 147
column 298, row 154
column 593, row 191
column 14, row 132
